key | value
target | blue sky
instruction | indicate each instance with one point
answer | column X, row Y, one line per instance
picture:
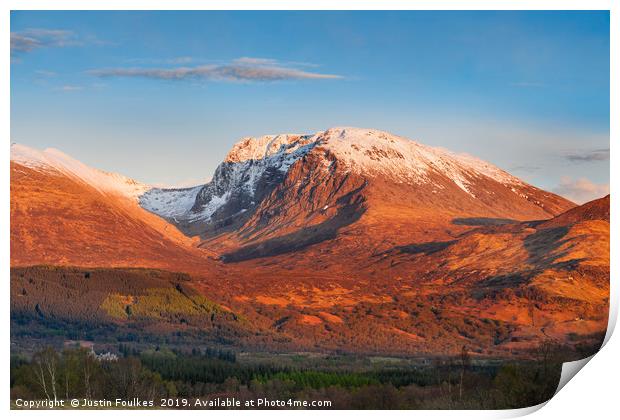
column 161, row 96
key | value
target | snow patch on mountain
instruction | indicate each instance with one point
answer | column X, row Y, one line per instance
column 377, row 152
column 169, row 203
column 253, row 149
column 55, row 160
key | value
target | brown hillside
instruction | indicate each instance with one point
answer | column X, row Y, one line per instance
column 59, row 220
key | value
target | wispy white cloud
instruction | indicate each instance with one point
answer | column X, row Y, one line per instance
column 581, row 190
column 32, row 39
column 256, row 61
column 259, row 61
column 244, row 69
column 595, row 155
column 151, row 61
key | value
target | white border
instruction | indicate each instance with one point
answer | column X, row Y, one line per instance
column 593, row 395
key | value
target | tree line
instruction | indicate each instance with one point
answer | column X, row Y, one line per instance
column 162, row 373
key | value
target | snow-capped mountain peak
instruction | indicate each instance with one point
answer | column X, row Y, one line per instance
column 54, row 160
column 256, row 148
column 370, row 152
column 256, row 165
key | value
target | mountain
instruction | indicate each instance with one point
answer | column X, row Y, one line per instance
column 346, row 240
column 280, row 193
column 64, row 212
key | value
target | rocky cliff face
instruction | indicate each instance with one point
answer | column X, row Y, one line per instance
column 252, row 169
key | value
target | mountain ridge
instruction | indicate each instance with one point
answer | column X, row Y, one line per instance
column 68, row 213
column 256, row 167
column 56, row 160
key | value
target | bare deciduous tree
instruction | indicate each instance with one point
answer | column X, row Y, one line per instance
column 465, row 360
column 46, row 371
